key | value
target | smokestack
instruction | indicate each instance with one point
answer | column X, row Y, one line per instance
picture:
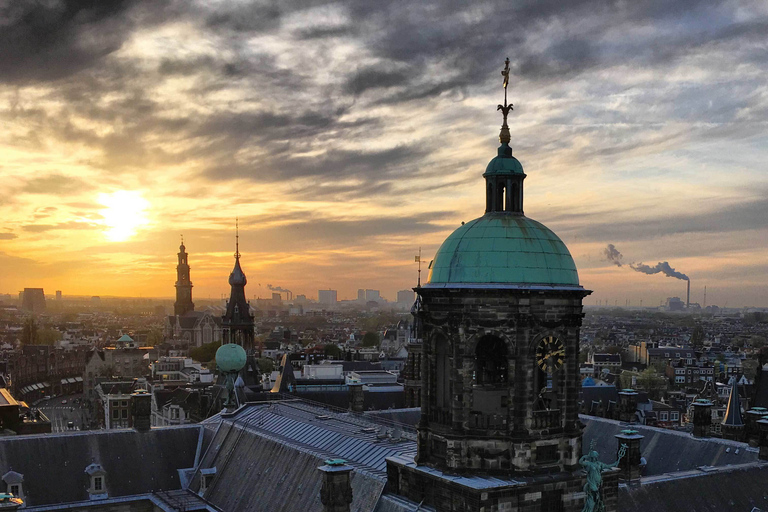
column 688, row 297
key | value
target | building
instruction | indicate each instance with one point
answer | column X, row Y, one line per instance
column 405, row 297
column 58, row 294
column 361, row 296
column 33, row 300
column 372, row 295
column 500, row 317
column 183, row 304
column 610, row 362
column 114, row 400
column 112, row 364
column 327, row 297
column 40, row 370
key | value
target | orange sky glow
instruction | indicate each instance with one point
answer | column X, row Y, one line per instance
column 342, row 152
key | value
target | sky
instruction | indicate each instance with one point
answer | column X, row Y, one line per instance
column 344, row 136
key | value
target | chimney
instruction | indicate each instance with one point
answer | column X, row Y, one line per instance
column 752, row 429
column 356, row 398
column 688, row 297
column 336, row 492
column 702, row 417
column 763, row 444
column 630, row 464
column 627, row 405
column 141, row 410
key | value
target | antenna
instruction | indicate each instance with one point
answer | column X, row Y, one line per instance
column 237, row 238
column 418, row 260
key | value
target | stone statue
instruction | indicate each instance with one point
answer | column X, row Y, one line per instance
column 592, row 489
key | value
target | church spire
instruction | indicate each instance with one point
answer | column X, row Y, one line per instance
column 733, row 412
column 183, row 304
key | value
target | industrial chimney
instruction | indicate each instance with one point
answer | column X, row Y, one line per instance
column 688, row 297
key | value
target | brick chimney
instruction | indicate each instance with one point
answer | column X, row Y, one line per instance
column 627, row 405
column 356, row 398
column 629, row 465
column 141, row 409
column 702, row 417
column 336, row 492
column 762, row 425
column 751, row 427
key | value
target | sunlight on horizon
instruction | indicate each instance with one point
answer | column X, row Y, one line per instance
column 124, row 214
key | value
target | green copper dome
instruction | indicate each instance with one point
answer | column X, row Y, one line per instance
column 503, row 248
column 230, row 358
column 504, row 163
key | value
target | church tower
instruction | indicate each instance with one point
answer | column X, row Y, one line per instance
column 237, row 322
column 500, row 317
column 183, row 304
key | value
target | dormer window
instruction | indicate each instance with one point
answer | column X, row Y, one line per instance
column 207, row 476
column 14, row 484
column 98, row 484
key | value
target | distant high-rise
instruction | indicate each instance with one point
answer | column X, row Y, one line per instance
column 58, row 294
column 372, row 295
column 327, row 296
column 33, row 300
column 183, row 304
column 360, row 295
column 406, row 296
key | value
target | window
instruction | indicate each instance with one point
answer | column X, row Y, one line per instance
column 124, row 403
column 125, row 414
column 674, row 415
column 98, row 483
column 15, row 490
column 663, row 416
column 491, row 361
column 115, row 414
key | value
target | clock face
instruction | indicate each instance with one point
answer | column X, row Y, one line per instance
column 550, row 354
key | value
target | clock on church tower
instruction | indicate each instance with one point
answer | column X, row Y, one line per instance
column 500, row 317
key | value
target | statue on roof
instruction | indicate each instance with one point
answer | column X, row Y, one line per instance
column 593, row 488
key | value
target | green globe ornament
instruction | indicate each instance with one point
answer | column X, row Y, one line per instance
column 230, row 358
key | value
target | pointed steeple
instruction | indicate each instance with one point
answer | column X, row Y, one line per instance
column 237, row 322
column 733, row 412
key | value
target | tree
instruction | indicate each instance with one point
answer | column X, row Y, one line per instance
column 749, row 368
column 757, row 341
column 47, row 336
column 205, row 352
column 265, row 365
column 333, row 351
column 371, row 339
column 155, row 337
column 652, row 382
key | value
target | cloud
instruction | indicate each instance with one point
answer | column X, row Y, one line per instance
column 40, row 228
column 8, row 236
column 57, row 184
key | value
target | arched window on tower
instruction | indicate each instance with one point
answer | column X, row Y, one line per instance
column 491, row 361
column 442, row 374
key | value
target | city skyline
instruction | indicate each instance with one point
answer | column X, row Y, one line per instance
column 345, row 137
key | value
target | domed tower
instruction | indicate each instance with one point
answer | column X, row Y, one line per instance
column 500, row 317
column 183, row 304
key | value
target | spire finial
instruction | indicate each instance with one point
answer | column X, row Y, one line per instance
column 504, row 136
column 237, row 238
column 182, row 239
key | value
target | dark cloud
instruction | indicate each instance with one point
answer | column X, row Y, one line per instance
column 372, row 78
column 745, row 216
column 51, row 40
column 8, row 236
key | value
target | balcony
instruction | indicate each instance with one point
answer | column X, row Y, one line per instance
column 487, row 421
column 548, row 418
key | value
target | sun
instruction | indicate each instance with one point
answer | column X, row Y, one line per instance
column 124, row 214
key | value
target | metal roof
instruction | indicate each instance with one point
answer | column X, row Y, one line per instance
column 503, row 248
column 364, row 444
